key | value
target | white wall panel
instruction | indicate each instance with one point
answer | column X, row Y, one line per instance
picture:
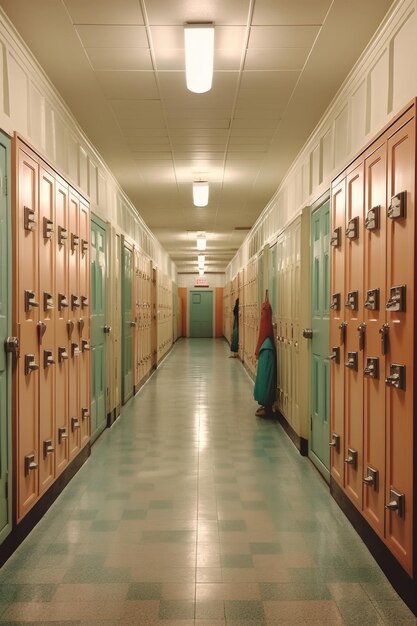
column 18, row 93
column 49, row 132
column 61, row 149
column 73, row 158
column 93, row 182
column 37, row 117
column 83, row 177
column 358, row 115
column 326, row 155
column 341, row 136
column 404, row 51
column 378, row 82
column 315, row 167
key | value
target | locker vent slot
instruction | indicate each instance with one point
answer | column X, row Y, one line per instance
column 372, row 219
column 397, row 208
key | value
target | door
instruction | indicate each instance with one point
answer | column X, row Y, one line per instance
column 98, row 326
column 127, row 317
column 5, row 363
column 320, row 378
column 201, row 314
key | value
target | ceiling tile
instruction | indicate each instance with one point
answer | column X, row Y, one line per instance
column 134, row 142
column 256, row 112
column 104, row 11
column 209, row 135
column 102, row 36
column 172, row 59
column 271, row 12
column 225, row 37
column 282, row 36
column 119, row 58
column 195, row 114
column 187, row 123
column 232, row 12
column 172, row 84
column 136, row 108
column 252, row 123
column 148, row 148
column 272, row 81
column 251, row 147
column 131, row 85
column 276, row 58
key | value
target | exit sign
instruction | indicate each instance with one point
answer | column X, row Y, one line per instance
column 201, row 281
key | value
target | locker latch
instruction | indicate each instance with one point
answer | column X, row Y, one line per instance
column 62, row 434
column 352, row 458
column 30, row 365
column 30, row 301
column 352, row 361
column 81, row 324
column 396, row 503
column 62, row 301
column 372, row 300
column 48, row 228
column 372, row 218
column 48, row 302
column 12, row 345
column 29, row 218
column 371, row 478
column 361, row 331
column 335, row 355
column 342, row 328
column 30, row 464
column 84, row 302
column 335, row 302
column 372, row 367
column 383, row 331
column 75, row 240
column 352, row 300
column 84, row 346
column 335, row 442
column 336, row 238
column 352, row 229
column 107, row 329
column 75, row 423
column 85, row 414
column 62, row 354
column 48, row 448
column 70, row 328
column 396, row 377
column 75, row 351
column 307, row 333
column 74, row 302
column 41, row 328
column 84, row 246
column 48, row 358
column 396, row 300
column 398, row 206
column 62, row 235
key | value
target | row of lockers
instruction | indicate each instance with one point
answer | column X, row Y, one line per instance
column 372, row 335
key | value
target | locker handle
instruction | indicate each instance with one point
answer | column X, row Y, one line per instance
column 41, row 327
column 383, row 331
column 342, row 327
column 361, row 331
column 85, row 414
column 62, row 434
column 132, row 323
column 70, row 328
column 75, row 423
column 12, row 345
column 30, row 301
column 84, row 346
column 29, row 218
column 48, row 448
column 30, row 464
column 30, row 365
column 107, row 329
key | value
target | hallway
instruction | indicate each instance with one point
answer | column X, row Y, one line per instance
column 192, row 511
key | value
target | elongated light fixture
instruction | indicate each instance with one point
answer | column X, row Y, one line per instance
column 201, row 241
column 199, row 52
column 201, row 261
column 200, row 193
column 201, row 272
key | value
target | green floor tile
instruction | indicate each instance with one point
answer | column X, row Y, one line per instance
column 144, row 591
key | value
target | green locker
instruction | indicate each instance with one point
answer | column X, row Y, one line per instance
column 99, row 329
column 127, row 322
column 320, row 377
column 5, row 358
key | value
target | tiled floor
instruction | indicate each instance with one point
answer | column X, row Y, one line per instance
column 192, row 511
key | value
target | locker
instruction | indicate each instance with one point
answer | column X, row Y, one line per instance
column 83, row 312
column 374, row 357
column 47, row 344
column 136, row 288
column 61, row 295
column 25, row 327
column 114, row 331
column 400, row 397
column 127, row 321
column 154, row 310
column 74, row 304
column 354, row 334
column 337, row 326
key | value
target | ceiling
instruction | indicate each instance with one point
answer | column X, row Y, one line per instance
column 119, row 65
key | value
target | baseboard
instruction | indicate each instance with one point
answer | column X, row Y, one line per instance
column 28, row 523
column 300, row 442
column 404, row 585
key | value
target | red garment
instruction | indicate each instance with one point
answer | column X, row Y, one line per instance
column 265, row 326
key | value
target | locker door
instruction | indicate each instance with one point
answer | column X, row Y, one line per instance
column 353, row 361
column 295, row 332
column 73, row 327
column 336, row 348
column 154, row 328
column 98, row 322
column 320, row 374
column 61, row 302
column 47, row 345
column 5, row 360
column 127, row 317
column 136, row 317
column 400, row 317
column 374, row 358
column 26, row 327
column 84, row 411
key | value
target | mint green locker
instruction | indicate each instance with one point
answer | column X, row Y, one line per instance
column 320, row 377
column 201, row 314
column 127, row 322
column 99, row 334
column 5, row 328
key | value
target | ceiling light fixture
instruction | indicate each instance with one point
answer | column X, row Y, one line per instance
column 201, row 272
column 199, row 53
column 201, row 260
column 201, row 241
column 200, row 193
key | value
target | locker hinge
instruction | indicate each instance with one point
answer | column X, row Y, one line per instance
column 311, row 422
column 6, row 486
column 5, row 191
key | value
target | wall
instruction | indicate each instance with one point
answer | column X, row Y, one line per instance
column 188, row 280
column 382, row 82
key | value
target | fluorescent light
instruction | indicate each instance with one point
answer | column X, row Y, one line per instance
column 199, row 52
column 200, row 193
column 201, row 272
column 201, row 241
column 201, row 259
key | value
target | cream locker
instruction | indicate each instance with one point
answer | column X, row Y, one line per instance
column 84, row 322
column 74, row 303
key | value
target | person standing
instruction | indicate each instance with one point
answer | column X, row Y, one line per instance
column 234, row 346
column 266, row 372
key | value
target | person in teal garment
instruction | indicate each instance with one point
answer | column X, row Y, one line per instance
column 266, row 372
column 234, row 346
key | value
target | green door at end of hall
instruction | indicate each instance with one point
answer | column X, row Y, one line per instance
column 320, row 370
column 127, row 318
column 201, row 314
column 98, row 321
column 5, row 359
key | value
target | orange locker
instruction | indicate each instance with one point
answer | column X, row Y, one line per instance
column 74, row 438
column 84, row 322
column 375, row 339
column 337, row 332
column 400, row 357
column 354, row 334
column 61, row 327
column 26, row 227
column 136, row 320
column 46, row 332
